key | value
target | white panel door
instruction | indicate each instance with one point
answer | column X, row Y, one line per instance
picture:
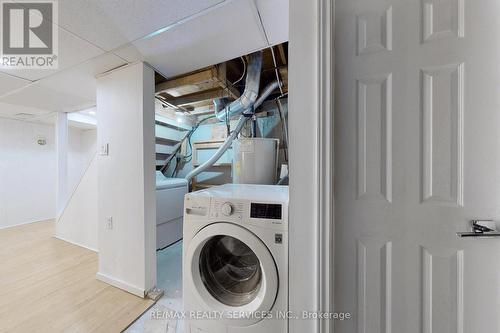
column 417, row 157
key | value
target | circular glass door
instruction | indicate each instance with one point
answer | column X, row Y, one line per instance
column 230, row 270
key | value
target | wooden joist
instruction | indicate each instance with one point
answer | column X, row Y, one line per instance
column 284, row 77
column 206, row 75
column 281, row 51
column 195, row 97
column 210, row 78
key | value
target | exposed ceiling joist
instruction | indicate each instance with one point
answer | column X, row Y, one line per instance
column 206, row 79
column 195, row 97
column 194, row 92
column 204, row 76
column 282, row 53
column 284, row 78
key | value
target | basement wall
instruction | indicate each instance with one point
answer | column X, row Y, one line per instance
column 126, row 178
column 28, row 170
column 27, row 173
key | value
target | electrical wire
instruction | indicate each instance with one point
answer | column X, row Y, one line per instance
column 175, row 168
column 188, row 158
column 228, row 125
column 244, row 71
column 276, row 70
column 191, row 134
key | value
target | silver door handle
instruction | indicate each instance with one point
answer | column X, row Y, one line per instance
column 481, row 229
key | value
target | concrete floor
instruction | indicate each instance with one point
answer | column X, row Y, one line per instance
column 169, row 268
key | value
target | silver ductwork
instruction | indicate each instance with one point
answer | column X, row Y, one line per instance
column 222, row 149
column 229, row 140
column 265, row 94
column 247, row 99
column 219, row 103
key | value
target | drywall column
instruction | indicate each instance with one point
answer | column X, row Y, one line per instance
column 62, row 162
column 126, row 178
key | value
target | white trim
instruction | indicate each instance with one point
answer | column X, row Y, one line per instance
column 121, row 284
column 75, row 243
column 311, row 162
column 24, row 223
column 326, row 161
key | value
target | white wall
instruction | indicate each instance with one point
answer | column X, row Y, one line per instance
column 82, row 146
column 27, row 172
column 126, row 178
column 78, row 220
column 62, row 191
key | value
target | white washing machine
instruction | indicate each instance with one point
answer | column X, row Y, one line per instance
column 235, row 259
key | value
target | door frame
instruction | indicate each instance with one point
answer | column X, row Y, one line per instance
column 311, row 212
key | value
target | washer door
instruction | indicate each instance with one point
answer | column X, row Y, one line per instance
column 232, row 271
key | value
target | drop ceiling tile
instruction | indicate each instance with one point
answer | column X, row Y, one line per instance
column 80, row 80
column 274, row 15
column 72, row 51
column 37, row 96
column 10, row 83
column 21, row 112
column 223, row 33
column 112, row 23
column 129, row 53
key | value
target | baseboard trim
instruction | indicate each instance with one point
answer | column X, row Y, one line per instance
column 24, row 223
column 76, row 243
column 121, row 284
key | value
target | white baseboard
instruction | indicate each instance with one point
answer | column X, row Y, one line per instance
column 77, row 244
column 24, row 223
column 121, row 284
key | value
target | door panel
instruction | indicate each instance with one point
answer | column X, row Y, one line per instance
column 417, row 157
column 374, row 285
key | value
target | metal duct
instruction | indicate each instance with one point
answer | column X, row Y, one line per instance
column 220, row 103
column 265, row 94
column 247, row 99
column 222, row 149
column 241, row 122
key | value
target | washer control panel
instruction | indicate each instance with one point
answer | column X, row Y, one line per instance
column 261, row 214
column 223, row 208
column 227, row 209
column 266, row 211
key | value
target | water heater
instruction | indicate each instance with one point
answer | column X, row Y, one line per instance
column 255, row 161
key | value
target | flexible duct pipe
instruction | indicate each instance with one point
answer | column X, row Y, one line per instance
column 265, row 94
column 247, row 99
column 222, row 149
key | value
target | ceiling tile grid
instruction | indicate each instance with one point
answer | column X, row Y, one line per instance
column 118, row 22
column 10, row 83
column 174, row 36
column 221, row 34
column 72, row 51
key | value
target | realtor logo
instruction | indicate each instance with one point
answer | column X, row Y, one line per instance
column 29, row 34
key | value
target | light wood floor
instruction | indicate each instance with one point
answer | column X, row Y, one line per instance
column 48, row 285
